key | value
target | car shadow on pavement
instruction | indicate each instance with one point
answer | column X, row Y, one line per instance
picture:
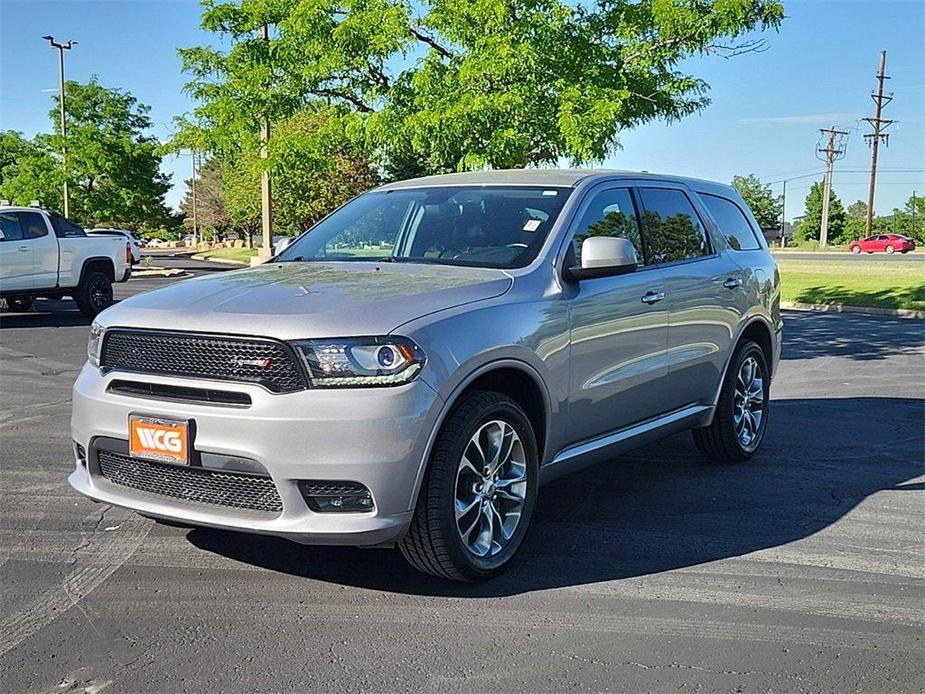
column 808, row 335
column 659, row 508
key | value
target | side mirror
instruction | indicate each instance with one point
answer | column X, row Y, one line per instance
column 604, row 256
column 282, row 245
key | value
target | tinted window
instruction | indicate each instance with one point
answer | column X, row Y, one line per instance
column 673, row 230
column 65, row 227
column 482, row 226
column 33, row 225
column 611, row 213
column 9, row 225
column 732, row 222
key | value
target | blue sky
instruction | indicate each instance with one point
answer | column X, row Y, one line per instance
column 764, row 119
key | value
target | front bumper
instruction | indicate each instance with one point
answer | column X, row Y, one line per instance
column 376, row 436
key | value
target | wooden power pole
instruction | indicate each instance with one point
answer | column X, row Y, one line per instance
column 832, row 151
column 874, row 138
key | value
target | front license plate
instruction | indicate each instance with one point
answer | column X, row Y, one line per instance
column 154, row 438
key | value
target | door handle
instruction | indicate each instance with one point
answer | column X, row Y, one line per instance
column 733, row 282
column 652, row 297
column 24, row 248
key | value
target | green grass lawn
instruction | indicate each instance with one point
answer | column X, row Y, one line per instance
column 853, row 283
column 242, row 255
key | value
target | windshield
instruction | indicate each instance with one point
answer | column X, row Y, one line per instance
column 482, row 226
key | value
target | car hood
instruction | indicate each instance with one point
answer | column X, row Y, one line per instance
column 307, row 300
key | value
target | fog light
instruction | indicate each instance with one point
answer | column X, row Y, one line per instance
column 323, row 496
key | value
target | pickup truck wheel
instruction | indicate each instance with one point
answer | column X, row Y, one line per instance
column 477, row 499
column 19, row 304
column 741, row 417
column 94, row 294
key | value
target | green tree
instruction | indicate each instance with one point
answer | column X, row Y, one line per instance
column 808, row 230
column 28, row 172
column 766, row 206
column 112, row 164
column 443, row 85
column 211, row 211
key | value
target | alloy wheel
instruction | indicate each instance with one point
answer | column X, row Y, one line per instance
column 491, row 487
column 100, row 294
column 748, row 410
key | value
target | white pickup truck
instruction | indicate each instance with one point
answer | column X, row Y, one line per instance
column 44, row 254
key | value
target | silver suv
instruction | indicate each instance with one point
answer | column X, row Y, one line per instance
column 412, row 369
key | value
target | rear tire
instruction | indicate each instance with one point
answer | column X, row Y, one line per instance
column 438, row 542
column 18, row 304
column 741, row 417
column 890, row 250
column 94, row 294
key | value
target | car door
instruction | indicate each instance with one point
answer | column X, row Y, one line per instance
column 16, row 255
column 619, row 328
column 705, row 289
column 36, row 231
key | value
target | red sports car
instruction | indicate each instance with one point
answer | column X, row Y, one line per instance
column 882, row 242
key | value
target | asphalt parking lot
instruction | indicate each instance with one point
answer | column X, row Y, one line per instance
column 801, row 570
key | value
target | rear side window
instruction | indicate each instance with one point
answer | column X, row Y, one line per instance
column 33, row 225
column 732, row 222
column 673, row 231
column 9, row 225
column 64, row 227
column 611, row 213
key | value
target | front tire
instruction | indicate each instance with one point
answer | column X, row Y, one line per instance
column 856, row 250
column 741, row 417
column 478, row 496
column 94, row 294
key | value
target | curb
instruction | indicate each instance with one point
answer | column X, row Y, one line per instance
column 224, row 261
column 861, row 310
column 166, row 272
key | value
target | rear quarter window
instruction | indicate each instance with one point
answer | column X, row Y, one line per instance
column 735, row 226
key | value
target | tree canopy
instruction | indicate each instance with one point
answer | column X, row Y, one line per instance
column 808, row 229
column 444, row 85
column 765, row 206
column 112, row 163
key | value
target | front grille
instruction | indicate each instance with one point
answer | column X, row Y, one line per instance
column 199, row 485
column 246, row 360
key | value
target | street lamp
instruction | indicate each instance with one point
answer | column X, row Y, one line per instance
column 61, row 48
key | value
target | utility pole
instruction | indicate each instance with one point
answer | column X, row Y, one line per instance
column 61, row 48
column 193, row 191
column 832, row 151
column 874, row 138
column 783, row 216
column 266, row 211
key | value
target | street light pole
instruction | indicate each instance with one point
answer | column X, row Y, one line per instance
column 61, row 48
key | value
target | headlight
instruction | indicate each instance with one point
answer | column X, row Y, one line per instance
column 95, row 343
column 361, row 362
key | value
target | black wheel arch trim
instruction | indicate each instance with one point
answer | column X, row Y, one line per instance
column 110, row 268
column 735, row 342
column 453, row 399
